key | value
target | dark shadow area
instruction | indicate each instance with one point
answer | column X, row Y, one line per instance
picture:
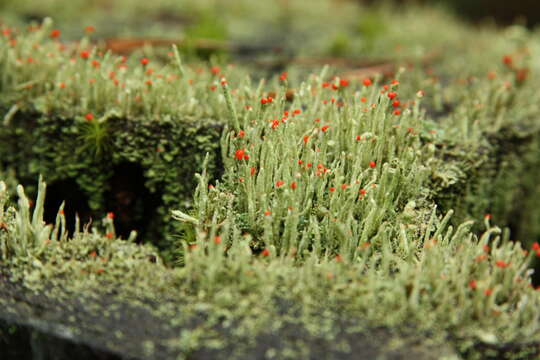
column 131, row 202
column 535, row 278
column 24, row 343
column 76, row 203
column 503, row 12
column 519, row 231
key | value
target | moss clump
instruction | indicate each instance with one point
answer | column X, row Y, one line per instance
column 58, row 152
column 443, row 291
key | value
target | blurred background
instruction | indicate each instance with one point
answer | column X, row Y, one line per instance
column 261, row 29
column 503, row 12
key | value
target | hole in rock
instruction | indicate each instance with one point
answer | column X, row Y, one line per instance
column 76, row 202
column 131, row 202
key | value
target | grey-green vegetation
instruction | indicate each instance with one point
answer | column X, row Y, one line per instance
column 384, row 202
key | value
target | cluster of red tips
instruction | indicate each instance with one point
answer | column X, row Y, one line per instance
column 89, row 29
column 241, row 134
column 145, row 61
column 507, row 60
column 372, row 164
column 85, row 54
column 280, row 183
column 501, row 264
column 265, row 253
column 283, row 76
column 480, row 258
column 240, row 154
column 342, row 83
column 325, row 128
column 215, row 70
column 89, row 117
column 54, row 34
column 267, row 100
column 536, row 248
column 472, row 284
column 367, row 82
column 110, row 215
column 392, row 95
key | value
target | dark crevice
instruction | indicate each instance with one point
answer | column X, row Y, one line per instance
column 132, row 203
column 76, row 203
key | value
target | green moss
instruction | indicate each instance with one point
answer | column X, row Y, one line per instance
column 169, row 153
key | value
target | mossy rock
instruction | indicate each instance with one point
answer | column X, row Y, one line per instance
column 105, row 326
column 144, row 169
